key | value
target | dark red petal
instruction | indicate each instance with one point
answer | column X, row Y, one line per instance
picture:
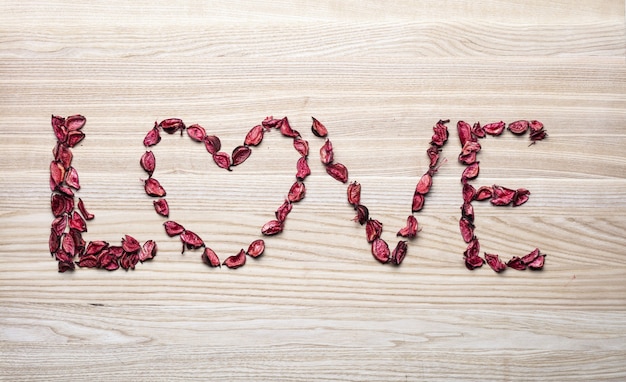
column 196, row 132
column 495, row 262
column 130, row 244
column 399, row 253
column 172, row 228
column 272, row 227
column 240, row 154
column 161, row 207
column 373, row 230
column 236, row 261
column 222, row 160
column 148, row 251
column 153, row 188
column 254, row 136
column 410, row 230
column 256, row 248
column 380, row 251
column 296, row 192
column 83, row 210
column 209, row 257
column 338, row 172
column 318, row 129
column 148, row 162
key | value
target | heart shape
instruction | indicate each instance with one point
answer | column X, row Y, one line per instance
column 212, row 143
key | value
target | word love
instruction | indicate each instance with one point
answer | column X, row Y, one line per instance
column 69, row 248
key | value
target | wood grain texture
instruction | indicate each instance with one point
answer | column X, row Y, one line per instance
column 317, row 306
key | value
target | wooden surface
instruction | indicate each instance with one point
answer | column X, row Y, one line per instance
column 316, row 305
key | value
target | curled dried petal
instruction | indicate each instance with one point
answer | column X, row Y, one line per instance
column 535, row 126
column 153, row 188
column 88, row 262
column 502, row 196
column 240, row 154
column 75, row 122
column 256, row 248
column 337, row 171
column 467, row 211
column 469, row 193
column 495, row 262
column 478, row 130
column 326, row 152
column 399, row 253
column 470, row 172
column 270, row 122
column 59, row 224
column 148, row 251
column 222, row 160
column 538, row 136
column 373, row 230
column 296, row 192
column 83, row 210
column 130, row 244
column 190, row 240
column 521, row 197
column 61, row 204
column 95, row 247
column 418, row 202
column 68, row 245
column 254, row 136
column 470, row 147
column 57, row 173
column 172, row 228
column 532, row 256
column 236, row 261
column 518, row 127
column 302, row 168
column 465, row 132
column 468, row 158
column 516, row 263
column 301, row 146
column 424, row 184
column 318, row 129
column 153, row 137
column 286, row 130
column 172, row 125
column 495, row 128
column 538, row 263
column 63, row 154
column 212, row 144
column 77, row 222
column 79, row 242
column 54, row 241
column 473, row 262
column 148, row 162
column 440, row 134
column 209, row 257
column 272, row 227
column 74, row 138
column 473, row 248
column 362, row 214
column 483, row 193
column 66, row 266
column 354, row 194
column 196, row 132
column 410, row 230
column 380, row 251
column 161, row 207
column 283, row 211
column 467, row 229
column 433, row 155
column 59, row 128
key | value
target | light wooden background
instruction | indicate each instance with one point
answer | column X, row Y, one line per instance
column 317, row 306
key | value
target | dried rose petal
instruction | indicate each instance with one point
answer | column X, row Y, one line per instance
column 129, row 260
column 65, row 190
column 153, row 137
column 71, row 178
column 538, row 136
column 272, row 227
column 326, row 152
column 535, row 126
column 286, row 130
column 63, row 155
column 59, row 224
column 61, row 204
column 62, row 256
column 88, row 262
column 66, row 266
column 74, row 138
column 212, row 144
column 467, row 229
column 161, row 207
column 470, row 147
column 467, row 159
column 354, row 194
column 502, row 196
column 153, row 188
column 318, row 129
column 301, row 146
column 222, row 160
column 283, row 211
column 148, row 251
column 209, row 257
column 148, row 162
column 518, row 127
column 254, row 136
column 303, row 169
column 54, row 241
column 521, row 197
column 469, row 193
column 473, row 262
column 296, row 192
column 465, row 132
column 424, row 184
column 130, row 244
column 470, row 172
column 418, row 202
column 172, row 228
column 495, row 262
column 57, row 173
column 67, row 243
column 410, row 230
column 380, row 251
column 240, row 154
column 83, row 210
column 79, row 242
column 440, row 133
column 373, row 230
column 190, row 240
column 270, row 122
column 256, row 248
column 59, row 128
column 236, row 261
column 483, row 193
column 75, row 122
column 473, row 248
column 433, row 155
column 196, row 132
column 538, row 263
column 467, row 211
column 532, row 256
column 516, row 263
column 77, row 222
column 478, row 130
column 362, row 214
column 337, row 171
column 172, row 125
column 399, row 253
column 495, row 128
column 95, row 247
